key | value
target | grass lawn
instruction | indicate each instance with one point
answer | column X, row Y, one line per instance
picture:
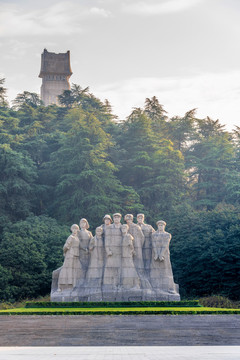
column 120, row 311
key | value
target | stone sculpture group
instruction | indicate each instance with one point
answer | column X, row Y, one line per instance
column 122, row 262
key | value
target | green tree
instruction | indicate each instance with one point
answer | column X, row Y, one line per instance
column 73, row 97
column 150, row 165
column 138, row 145
column 233, row 178
column 205, row 251
column 30, row 250
column 155, row 111
column 27, row 99
column 9, row 128
column 83, row 176
column 17, row 176
column 209, row 162
column 181, row 129
column 3, row 94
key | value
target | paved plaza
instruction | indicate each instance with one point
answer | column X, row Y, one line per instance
column 121, row 330
column 122, row 353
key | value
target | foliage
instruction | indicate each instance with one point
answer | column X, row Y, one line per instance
column 82, row 174
column 27, row 99
column 29, row 251
column 209, row 162
column 21, row 303
column 17, row 176
column 206, row 251
column 61, row 163
column 122, row 311
column 3, row 93
column 219, row 302
column 151, row 165
column 39, row 304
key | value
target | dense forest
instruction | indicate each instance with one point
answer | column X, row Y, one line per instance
column 61, row 163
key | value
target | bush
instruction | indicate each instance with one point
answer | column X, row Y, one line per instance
column 121, row 311
column 189, row 303
column 218, row 301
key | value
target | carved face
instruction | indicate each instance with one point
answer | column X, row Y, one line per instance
column 83, row 224
column 116, row 219
column 99, row 231
column 129, row 221
column 124, row 229
column 74, row 230
column 140, row 219
column 161, row 227
column 107, row 221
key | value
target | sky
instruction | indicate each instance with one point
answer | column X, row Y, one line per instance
column 184, row 52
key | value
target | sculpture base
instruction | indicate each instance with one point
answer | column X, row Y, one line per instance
column 110, row 294
column 88, row 295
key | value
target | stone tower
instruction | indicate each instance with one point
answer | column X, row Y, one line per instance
column 55, row 73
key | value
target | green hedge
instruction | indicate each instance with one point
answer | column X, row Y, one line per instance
column 139, row 311
column 41, row 304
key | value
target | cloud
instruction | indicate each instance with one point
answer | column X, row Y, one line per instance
column 100, row 12
column 156, row 8
column 16, row 49
column 179, row 95
column 62, row 18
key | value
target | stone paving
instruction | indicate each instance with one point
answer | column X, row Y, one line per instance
column 122, row 330
column 122, row 353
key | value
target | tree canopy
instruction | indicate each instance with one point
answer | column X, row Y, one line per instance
column 61, row 163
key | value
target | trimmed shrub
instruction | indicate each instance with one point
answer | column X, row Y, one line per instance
column 40, row 304
column 127, row 311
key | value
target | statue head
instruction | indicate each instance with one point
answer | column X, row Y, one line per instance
column 99, row 231
column 128, row 218
column 74, row 229
column 117, row 218
column 84, row 224
column 161, row 225
column 140, row 218
column 107, row 219
column 125, row 229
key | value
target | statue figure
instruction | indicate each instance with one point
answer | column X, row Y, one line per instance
column 96, row 263
column 84, row 236
column 129, row 276
column 161, row 270
column 71, row 270
column 147, row 230
column 107, row 221
column 138, row 236
column 129, row 262
column 113, row 248
column 137, row 233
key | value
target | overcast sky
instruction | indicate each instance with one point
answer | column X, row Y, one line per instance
column 185, row 52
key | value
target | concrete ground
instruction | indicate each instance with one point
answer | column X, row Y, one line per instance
column 121, row 330
column 122, row 353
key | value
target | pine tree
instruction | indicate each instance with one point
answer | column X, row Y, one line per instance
column 151, row 165
column 155, row 111
column 83, row 175
column 17, row 176
column 181, row 130
column 3, row 92
column 233, row 178
column 209, row 162
column 27, row 99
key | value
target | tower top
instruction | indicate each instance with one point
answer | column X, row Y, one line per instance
column 55, row 64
